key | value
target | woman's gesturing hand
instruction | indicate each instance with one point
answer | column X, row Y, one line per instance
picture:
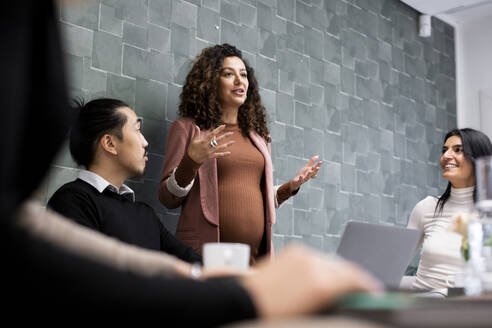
column 309, row 171
column 209, row 146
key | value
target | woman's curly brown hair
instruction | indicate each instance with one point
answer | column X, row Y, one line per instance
column 200, row 100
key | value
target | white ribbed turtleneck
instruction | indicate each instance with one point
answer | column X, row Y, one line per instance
column 440, row 259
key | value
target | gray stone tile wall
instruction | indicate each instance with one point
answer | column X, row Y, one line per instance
column 349, row 80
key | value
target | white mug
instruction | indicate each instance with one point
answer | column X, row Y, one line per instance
column 232, row 255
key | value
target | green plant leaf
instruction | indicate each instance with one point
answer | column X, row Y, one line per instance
column 464, row 252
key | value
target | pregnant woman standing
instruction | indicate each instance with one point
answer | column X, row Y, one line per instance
column 218, row 165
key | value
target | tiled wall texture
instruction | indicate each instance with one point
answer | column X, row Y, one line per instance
column 349, row 80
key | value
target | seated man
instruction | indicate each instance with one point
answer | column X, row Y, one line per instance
column 106, row 139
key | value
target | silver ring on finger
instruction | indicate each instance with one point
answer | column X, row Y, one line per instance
column 213, row 143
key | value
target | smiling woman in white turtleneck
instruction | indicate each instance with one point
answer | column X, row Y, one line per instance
column 441, row 259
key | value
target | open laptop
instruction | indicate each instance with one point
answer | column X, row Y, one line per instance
column 384, row 251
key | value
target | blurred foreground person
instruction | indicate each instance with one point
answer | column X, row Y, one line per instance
column 48, row 282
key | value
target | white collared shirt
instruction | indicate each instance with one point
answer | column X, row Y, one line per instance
column 101, row 184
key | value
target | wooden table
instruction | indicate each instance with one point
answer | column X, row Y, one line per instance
column 410, row 311
column 393, row 310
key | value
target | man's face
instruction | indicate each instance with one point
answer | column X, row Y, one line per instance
column 132, row 148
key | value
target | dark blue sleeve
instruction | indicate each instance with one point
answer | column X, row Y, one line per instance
column 84, row 289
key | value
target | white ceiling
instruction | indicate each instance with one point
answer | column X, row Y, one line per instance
column 457, row 11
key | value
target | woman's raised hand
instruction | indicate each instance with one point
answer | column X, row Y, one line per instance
column 209, row 146
column 309, row 171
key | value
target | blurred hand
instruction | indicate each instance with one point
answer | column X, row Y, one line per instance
column 200, row 148
column 459, row 222
column 300, row 281
column 184, row 269
column 309, row 171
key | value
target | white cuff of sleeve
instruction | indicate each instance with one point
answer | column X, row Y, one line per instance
column 275, row 195
column 175, row 189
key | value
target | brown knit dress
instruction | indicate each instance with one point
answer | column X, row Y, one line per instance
column 241, row 203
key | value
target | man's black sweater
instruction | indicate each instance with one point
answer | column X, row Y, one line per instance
column 117, row 216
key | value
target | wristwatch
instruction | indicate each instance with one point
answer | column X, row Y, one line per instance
column 196, row 271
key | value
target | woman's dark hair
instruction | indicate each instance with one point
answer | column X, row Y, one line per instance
column 200, row 95
column 475, row 144
column 94, row 119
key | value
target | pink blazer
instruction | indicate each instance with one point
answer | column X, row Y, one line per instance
column 199, row 220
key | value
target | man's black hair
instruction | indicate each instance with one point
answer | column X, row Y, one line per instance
column 95, row 119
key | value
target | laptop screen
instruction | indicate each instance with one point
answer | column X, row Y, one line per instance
column 384, row 251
